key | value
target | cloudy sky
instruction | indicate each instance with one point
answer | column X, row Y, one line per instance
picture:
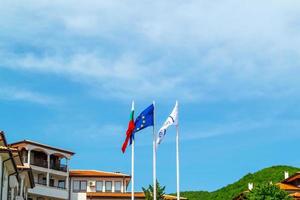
column 69, row 70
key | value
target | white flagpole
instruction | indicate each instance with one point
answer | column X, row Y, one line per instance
column 177, row 158
column 132, row 170
column 132, row 164
column 154, row 155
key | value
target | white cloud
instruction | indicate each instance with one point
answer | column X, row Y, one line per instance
column 16, row 94
column 198, row 50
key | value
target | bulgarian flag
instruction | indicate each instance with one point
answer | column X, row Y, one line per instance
column 130, row 129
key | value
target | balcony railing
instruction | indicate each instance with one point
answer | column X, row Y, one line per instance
column 40, row 163
column 60, row 167
column 44, row 163
column 41, row 182
column 58, row 186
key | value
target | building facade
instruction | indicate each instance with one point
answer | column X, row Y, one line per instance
column 93, row 184
column 16, row 178
column 33, row 171
column 50, row 168
column 291, row 185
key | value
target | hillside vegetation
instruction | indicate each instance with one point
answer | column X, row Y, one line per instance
column 272, row 174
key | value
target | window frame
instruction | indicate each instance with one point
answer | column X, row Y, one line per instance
column 101, row 186
column 115, row 183
column 76, row 190
column 60, row 182
column 106, row 190
column 80, row 183
column 83, row 190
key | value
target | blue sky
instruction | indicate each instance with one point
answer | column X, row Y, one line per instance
column 69, row 70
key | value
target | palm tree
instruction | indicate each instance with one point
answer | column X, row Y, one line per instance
column 160, row 191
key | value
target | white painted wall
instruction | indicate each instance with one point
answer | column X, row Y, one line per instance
column 78, row 196
column 5, row 184
column 82, row 195
column 49, row 191
column 13, row 180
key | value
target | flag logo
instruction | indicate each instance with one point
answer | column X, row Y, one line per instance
column 171, row 120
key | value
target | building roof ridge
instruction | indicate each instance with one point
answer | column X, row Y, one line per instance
column 97, row 171
column 41, row 145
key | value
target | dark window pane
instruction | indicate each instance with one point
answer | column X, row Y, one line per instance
column 108, row 186
column 76, row 186
column 118, row 186
column 82, row 185
column 99, row 186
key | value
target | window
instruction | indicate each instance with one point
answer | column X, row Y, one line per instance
column 61, row 184
column 25, row 156
column 99, row 186
column 42, row 179
column 108, row 186
column 117, row 186
column 51, row 182
column 76, row 186
column 83, row 185
column 79, row 186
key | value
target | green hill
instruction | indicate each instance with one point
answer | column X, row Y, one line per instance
column 274, row 174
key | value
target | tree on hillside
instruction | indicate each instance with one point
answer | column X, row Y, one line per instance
column 160, row 191
column 267, row 192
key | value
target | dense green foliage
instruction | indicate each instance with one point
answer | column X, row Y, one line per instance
column 271, row 174
column 267, row 192
column 160, row 191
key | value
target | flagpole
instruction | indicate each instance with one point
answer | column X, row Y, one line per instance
column 154, row 155
column 177, row 160
column 132, row 170
column 132, row 164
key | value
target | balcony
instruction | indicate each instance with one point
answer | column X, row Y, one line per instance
column 54, row 161
column 53, row 192
column 41, row 182
column 44, row 183
column 60, row 167
column 40, row 163
column 63, row 187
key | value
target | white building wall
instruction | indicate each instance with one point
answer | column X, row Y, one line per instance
column 5, row 184
column 51, row 192
column 78, row 196
column 82, row 195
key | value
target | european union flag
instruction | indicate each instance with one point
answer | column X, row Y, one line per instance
column 144, row 120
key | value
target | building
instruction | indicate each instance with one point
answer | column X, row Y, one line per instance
column 49, row 167
column 291, row 185
column 93, row 184
column 16, row 178
column 43, row 173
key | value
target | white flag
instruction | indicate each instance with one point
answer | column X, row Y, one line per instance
column 171, row 120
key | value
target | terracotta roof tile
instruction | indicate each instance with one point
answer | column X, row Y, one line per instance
column 296, row 195
column 96, row 173
column 8, row 148
column 292, row 178
column 17, row 144
column 284, row 186
column 115, row 195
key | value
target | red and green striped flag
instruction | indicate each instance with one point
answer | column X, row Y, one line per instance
column 130, row 129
